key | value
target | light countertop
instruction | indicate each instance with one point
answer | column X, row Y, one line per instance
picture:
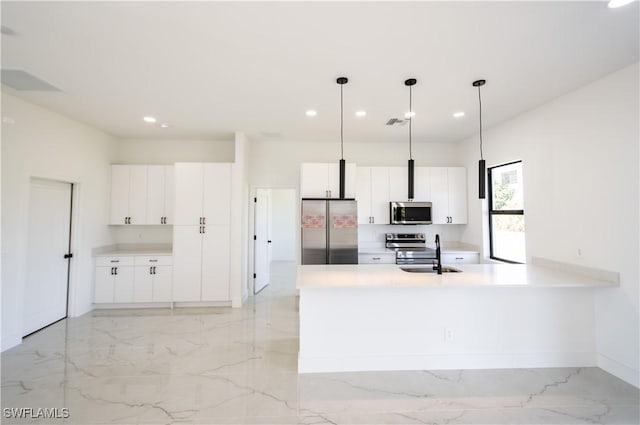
column 472, row 275
column 124, row 250
column 446, row 249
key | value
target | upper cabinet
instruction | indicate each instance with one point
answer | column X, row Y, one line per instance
column 128, row 194
column 202, row 193
column 141, row 194
column 322, row 180
column 449, row 195
column 160, row 194
column 373, row 195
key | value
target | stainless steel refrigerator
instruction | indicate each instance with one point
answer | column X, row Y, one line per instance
column 329, row 229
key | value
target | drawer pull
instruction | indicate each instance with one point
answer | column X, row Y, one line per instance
column 375, row 258
column 115, row 261
column 459, row 258
column 153, row 261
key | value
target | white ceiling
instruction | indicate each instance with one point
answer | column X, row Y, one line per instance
column 211, row 68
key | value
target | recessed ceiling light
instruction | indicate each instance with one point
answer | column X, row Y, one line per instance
column 149, row 119
column 618, row 3
column 458, row 114
column 410, row 114
column 164, row 125
column 361, row 113
column 311, row 113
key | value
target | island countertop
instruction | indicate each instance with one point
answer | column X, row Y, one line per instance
column 471, row 275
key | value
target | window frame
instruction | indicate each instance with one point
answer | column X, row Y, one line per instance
column 493, row 212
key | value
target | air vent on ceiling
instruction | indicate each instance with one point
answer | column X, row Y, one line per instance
column 23, row 81
column 396, row 121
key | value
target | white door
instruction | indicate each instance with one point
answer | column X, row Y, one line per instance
column 105, row 280
column 422, row 184
column 188, row 194
column 123, row 284
column 169, row 190
column 314, row 180
column 138, row 194
column 155, row 194
column 457, row 195
column 119, row 194
column 187, row 263
column 215, row 263
column 363, row 195
column 399, row 184
column 162, row 283
column 262, row 241
column 439, row 195
column 380, row 195
column 143, row 284
column 45, row 298
column 216, row 196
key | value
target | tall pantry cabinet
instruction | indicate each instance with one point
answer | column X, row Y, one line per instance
column 201, row 232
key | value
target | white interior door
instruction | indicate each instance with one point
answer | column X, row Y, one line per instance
column 262, row 241
column 45, row 298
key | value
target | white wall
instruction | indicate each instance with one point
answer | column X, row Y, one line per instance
column 239, row 248
column 581, row 183
column 37, row 142
column 283, row 225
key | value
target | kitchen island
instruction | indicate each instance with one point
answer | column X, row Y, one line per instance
column 378, row 317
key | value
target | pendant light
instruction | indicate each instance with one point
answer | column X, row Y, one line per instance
column 481, row 164
column 410, row 82
column 342, row 81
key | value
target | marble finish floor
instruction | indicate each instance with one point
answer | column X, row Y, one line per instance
column 238, row 366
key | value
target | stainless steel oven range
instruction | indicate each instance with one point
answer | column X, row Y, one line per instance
column 411, row 248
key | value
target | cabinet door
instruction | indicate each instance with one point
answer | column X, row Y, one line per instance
column 333, row 180
column 123, row 285
column 399, row 184
column 314, row 180
column 103, row 291
column 162, row 279
column 169, row 190
column 138, row 194
column 217, row 194
column 155, row 194
column 363, row 195
column 380, row 195
column 187, row 263
column 119, row 194
column 439, row 195
column 142, row 284
column 188, row 193
column 215, row 264
column 422, row 185
column 457, row 178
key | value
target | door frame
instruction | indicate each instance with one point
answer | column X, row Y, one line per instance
column 249, row 285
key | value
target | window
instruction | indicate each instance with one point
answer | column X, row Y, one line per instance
column 506, row 213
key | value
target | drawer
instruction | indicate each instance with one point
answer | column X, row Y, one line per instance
column 377, row 258
column 114, row 261
column 460, row 258
column 155, row 260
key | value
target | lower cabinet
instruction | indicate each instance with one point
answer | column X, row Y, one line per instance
column 133, row 279
column 383, row 258
column 460, row 258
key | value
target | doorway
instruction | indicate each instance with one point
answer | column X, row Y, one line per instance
column 48, row 254
column 275, row 217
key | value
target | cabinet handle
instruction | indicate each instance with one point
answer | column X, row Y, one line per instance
column 154, row 269
column 375, row 258
column 150, row 270
column 112, row 270
column 115, row 269
column 459, row 258
column 204, row 220
column 200, row 231
column 373, row 220
column 203, row 229
column 153, row 261
column 114, row 261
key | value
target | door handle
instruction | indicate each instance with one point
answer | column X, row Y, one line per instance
column 69, row 255
column 268, row 241
column 112, row 270
column 203, row 229
column 204, row 220
column 115, row 270
column 150, row 270
column 154, row 269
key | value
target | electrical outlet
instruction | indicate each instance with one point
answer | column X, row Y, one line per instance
column 448, row 334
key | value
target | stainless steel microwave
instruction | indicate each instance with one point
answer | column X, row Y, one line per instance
column 410, row 212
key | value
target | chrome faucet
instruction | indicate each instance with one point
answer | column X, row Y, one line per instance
column 438, row 263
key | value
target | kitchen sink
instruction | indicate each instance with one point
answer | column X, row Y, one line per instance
column 429, row 270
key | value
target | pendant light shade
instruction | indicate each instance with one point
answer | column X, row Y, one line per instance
column 410, row 165
column 482, row 173
column 342, row 81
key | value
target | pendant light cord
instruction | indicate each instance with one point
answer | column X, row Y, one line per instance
column 480, row 103
column 410, row 121
column 341, row 126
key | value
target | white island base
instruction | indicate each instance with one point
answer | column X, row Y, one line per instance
column 511, row 317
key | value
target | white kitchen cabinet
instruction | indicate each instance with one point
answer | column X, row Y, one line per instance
column 380, row 258
column 422, row 184
column 128, row 194
column 398, row 184
column 460, row 258
column 143, row 284
column 162, row 284
column 322, row 180
column 113, row 280
column 201, row 263
column 160, row 194
column 448, row 195
column 202, row 193
column 373, row 195
column 152, row 280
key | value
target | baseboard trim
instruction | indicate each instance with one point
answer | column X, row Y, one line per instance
column 619, row 370
column 444, row 361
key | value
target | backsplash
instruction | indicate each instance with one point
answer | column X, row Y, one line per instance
column 371, row 235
